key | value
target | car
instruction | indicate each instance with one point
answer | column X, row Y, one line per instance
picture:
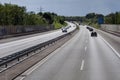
column 87, row 27
column 93, row 34
column 64, row 30
column 67, row 27
column 90, row 29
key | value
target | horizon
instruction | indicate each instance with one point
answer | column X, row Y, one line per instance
column 68, row 7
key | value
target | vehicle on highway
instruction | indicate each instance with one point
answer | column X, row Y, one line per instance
column 93, row 34
column 64, row 30
column 90, row 29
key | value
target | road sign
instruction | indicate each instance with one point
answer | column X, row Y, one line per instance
column 100, row 20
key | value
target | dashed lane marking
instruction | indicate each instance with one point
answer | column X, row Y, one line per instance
column 82, row 65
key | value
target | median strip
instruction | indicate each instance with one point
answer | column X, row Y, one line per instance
column 17, row 69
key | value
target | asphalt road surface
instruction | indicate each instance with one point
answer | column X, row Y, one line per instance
column 6, row 40
column 19, row 45
column 112, row 39
column 81, row 58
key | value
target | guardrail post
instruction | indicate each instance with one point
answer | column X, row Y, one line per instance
column 27, row 54
column 18, row 59
column 19, row 55
column 6, row 65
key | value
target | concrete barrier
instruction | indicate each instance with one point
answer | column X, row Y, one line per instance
column 12, row 31
column 109, row 27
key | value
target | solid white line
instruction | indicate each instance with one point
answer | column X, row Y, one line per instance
column 28, row 72
column 82, row 65
column 22, row 78
column 39, row 64
column 110, row 47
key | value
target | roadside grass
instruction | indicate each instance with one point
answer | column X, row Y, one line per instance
column 58, row 25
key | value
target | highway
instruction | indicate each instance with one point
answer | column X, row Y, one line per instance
column 81, row 58
column 10, row 47
column 112, row 39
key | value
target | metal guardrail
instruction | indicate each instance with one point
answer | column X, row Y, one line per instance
column 7, row 59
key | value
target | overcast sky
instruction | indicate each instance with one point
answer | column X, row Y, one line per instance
column 69, row 7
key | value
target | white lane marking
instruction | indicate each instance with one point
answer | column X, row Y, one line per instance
column 18, row 45
column 82, row 65
column 22, row 78
column 85, row 48
column 39, row 64
column 110, row 47
column 28, row 72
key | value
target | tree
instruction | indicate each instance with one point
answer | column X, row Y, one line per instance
column 48, row 17
column 11, row 14
column 113, row 18
column 90, row 15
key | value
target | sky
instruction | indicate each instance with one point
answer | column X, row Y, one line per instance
column 69, row 7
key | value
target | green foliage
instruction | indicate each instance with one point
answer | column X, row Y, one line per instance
column 11, row 14
column 93, row 15
column 92, row 18
column 58, row 25
column 74, row 18
column 90, row 15
column 32, row 19
column 113, row 18
column 49, row 17
column 54, row 19
column 15, row 15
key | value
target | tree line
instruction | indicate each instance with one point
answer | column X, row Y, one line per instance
column 93, row 18
column 113, row 18
column 11, row 14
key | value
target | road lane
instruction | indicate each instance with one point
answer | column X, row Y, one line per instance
column 16, row 46
column 66, row 61
column 24, row 36
column 28, row 36
column 112, row 39
column 101, row 63
column 82, row 58
column 82, row 65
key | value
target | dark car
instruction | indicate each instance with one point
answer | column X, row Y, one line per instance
column 93, row 34
column 89, row 28
column 64, row 30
